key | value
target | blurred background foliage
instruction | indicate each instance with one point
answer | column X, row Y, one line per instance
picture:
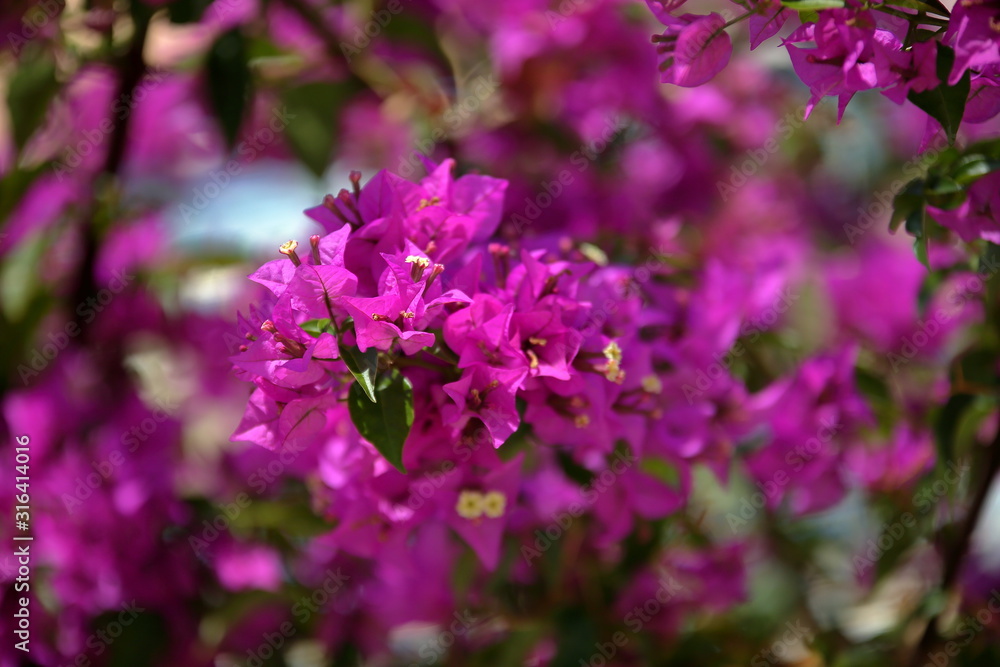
column 179, row 141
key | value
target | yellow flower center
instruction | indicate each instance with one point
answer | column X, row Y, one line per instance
column 613, row 369
column 652, row 384
column 474, row 504
column 470, row 505
column 422, row 262
column 494, row 504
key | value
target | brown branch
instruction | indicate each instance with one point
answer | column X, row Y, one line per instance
column 955, row 557
column 131, row 68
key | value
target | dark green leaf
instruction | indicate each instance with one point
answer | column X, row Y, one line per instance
column 386, row 423
column 14, row 184
column 187, row 11
column 875, row 390
column 945, row 193
column 572, row 469
column 921, row 35
column 942, row 186
column 872, row 386
column 989, row 270
column 575, row 634
column 946, row 426
column 946, row 104
column 311, row 131
column 906, row 203
column 978, row 367
column 900, row 538
column 142, row 12
column 229, row 82
column 410, row 28
column 916, row 225
column 928, row 290
column 363, row 366
column 145, row 635
column 31, row 90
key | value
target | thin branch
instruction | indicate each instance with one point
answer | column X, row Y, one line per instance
column 131, row 68
column 956, row 556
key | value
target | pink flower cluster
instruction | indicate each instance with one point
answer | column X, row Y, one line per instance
column 406, row 282
column 946, row 63
column 588, row 394
column 842, row 51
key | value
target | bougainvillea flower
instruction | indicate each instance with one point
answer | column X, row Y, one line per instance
column 974, row 32
column 850, row 55
column 693, row 49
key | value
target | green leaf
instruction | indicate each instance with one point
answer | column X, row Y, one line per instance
column 946, row 426
column 989, row 270
column 944, row 192
column 386, row 423
column 316, row 327
column 146, row 635
column 20, row 282
column 662, row 470
column 946, row 104
column 229, row 82
column 573, row 470
column 989, row 147
column 410, row 29
column 942, row 186
column 909, row 201
column 978, row 366
column 970, row 168
column 187, row 11
column 292, row 519
column 945, row 161
column 31, row 90
column 363, row 366
column 313, row 109
column 899, row 545
column 574, row 634
column 932, row 7
column 15, row 184
column 812, row 5
column 142, row 12
column 261, row 48
column 917, row 226
column 872, row 386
